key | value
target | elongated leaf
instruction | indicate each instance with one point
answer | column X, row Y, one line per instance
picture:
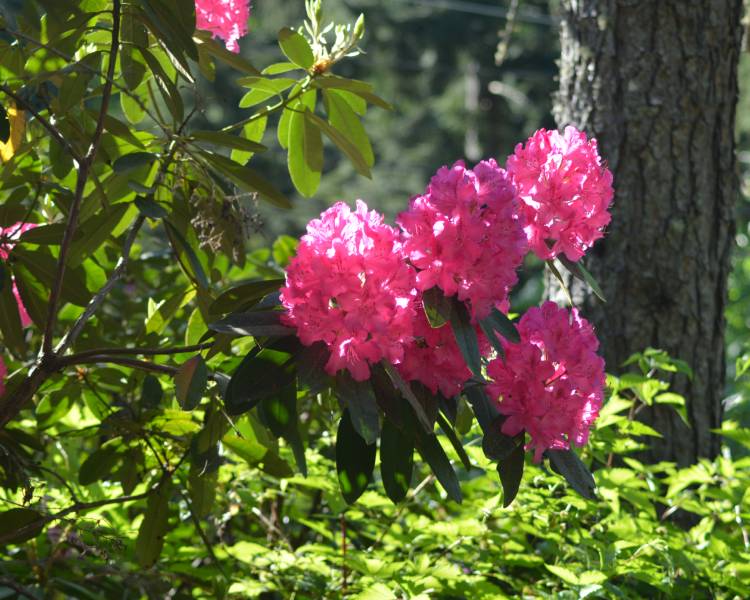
column 396, row 461
column 181, row 246
column 510, row 470
column 569, row 465
column 343, row 144
column 579, row 272
column 311, row 362
column 257, row 377
column 98, row 465
column 257, row 324
column 243, row 295
column 167, row 88
column 43, row 266
column 10, row 320
column 95, row 231
column 355, row 460
column 359, row 397
column 228, row 141
column 246, row 178
column 215, row 49
column 406, row 391
column 449, row 432
column 252, row 131
column 33, row 295
column 342, row 117
column 466, row 337
column 437, row 308
column 19, row 525
column 150, row 540
column 432, row 452
column 134, row 160
column 305, row 154
column 503, row 325
column 279, row 413
column 190, row 381
column 485, row 411
column 296, row 48
column 359, row 88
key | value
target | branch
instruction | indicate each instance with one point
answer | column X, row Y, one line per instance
column 54, row 131
column 140, row 351
column 83, row 172
column 117, row 360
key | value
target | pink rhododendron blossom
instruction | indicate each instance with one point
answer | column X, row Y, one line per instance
column 434, row 359
column 551, row 383
column 350, row 287
column 565, row 189
column 225, row 19
column 3, row 375
column 8, row 237
column 464, row 235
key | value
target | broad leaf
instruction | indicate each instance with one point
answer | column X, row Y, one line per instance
column 191, row 380
column 355, row 460
column 359, row 397
column 396, row 461
column 571, row 467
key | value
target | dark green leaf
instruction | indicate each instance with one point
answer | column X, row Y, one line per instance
column 432, row 452
column 257, row 324
column 150, row 208
column 181, row 246
column 44, row 234
column 355, row 460
column 33, row 295
column 406, row 391
column 211, row 46
column 98, row 465
column 579, row 272
column 43, row 266
column 279, row 413
column 227, row 140
column 569, row 465
column 437, row 308
column 296, row 48
column 94, row 232
column 359, row 397
column 311, row 363
column 190, row 381
column 503, row 325
column 396, row 461
column 257, row 377
column 466, row 336
column 151, row 393
column 511, row 472
column 453, row 439
column 154, row 527
column 19, row 525
column 134, row 160
column 244, row 295
column 485, row 411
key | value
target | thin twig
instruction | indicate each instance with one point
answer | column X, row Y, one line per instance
column 202, row 534
column 141, row 351
column 17, row 588
column 119, row 360
column 83, row 171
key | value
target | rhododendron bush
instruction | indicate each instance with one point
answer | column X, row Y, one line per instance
column 153, row 345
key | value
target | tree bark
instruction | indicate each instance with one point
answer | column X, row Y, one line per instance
column 655, row 81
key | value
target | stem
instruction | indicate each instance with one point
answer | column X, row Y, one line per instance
column 118, row 360
column 83, row 172
column 140, row 351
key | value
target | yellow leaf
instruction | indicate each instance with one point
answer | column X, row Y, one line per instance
column 17, row 122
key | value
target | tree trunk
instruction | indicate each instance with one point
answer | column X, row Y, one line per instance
column 655, row 81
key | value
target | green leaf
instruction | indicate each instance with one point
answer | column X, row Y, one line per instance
column 246, row 178
column 359, row 88
column 257, row 377
column 256, row 324
column 150, row 208
column 510, row 469
column 449, row 432
column 10, row 320
column 284, row 248
column 342, row 117
column 154, row 527
column 43, row 266
column 19, row 525
column 244, row 295
column 202, row 488
column 99, row 465
column 33, row 295
column 248, row 450
column 437, row 308
column 167, row 88
column 311, row 363
column 355, row 460
column 279, row 413
column 499, row 322
column 396, row 461
column 579, row 272
column 190, row 381
column 181, row 246
column 495, row 444
column 569, row 465
column 215, row 49
column 228, row 141
column 359, row 397
column 305, row 154
column 134, row 160
column 485, row 411
column 252, row 131
column 278, row 68
column 466, row 336
column 343, row 144
column 296, row 48
column 94, row 232
column 262, row 88
column 406, row 391
column 151, row 392
column 432, row 452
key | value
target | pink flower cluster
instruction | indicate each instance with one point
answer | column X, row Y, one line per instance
column 465, row 236
column 565, row 189
column 349, row 287
column 8, row 238
column 357, row 284
column 550, row 383
column 225, row 19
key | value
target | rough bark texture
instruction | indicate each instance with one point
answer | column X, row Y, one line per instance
column 655, row 81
